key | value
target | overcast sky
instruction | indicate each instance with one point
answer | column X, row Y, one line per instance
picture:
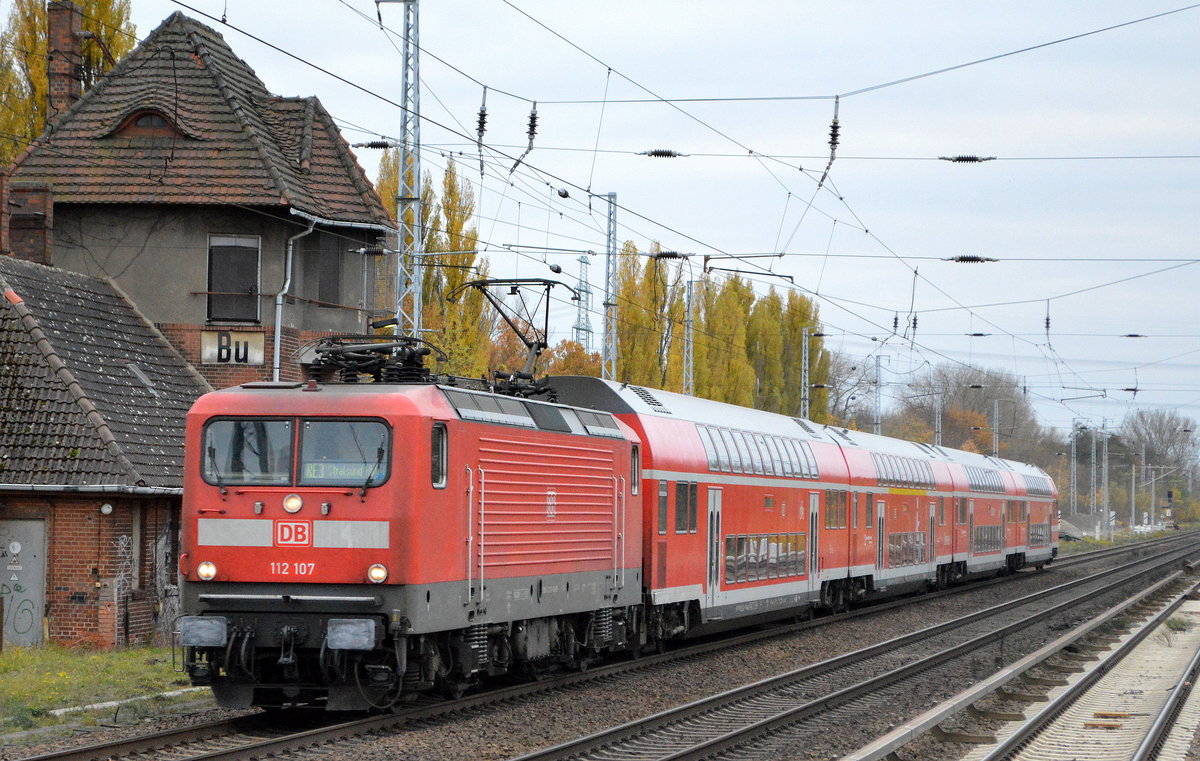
column 1093, row 188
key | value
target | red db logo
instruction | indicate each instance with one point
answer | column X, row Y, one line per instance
column 293, row 533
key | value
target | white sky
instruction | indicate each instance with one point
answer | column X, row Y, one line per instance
column 1125, row 95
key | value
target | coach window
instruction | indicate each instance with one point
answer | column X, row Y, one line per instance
column 854, row 508
column 437, row 470
column 233, row 278
column 941, row 511
column 709, row 449
column 746, row 451
column 742, row 565
column 681, row 507
column 693, row 499
column 870, row 511
column 662, row 507
column 730, row 559
column 734, row 454
column 635, row 469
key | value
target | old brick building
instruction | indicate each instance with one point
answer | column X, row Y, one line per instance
column 235, row 219
column 92, row 405
column 176, row 227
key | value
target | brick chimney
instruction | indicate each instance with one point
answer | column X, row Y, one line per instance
column 4, row 214
column 64, row 67
column 30, row 221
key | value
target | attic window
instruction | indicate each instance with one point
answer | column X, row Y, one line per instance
column 147, row 124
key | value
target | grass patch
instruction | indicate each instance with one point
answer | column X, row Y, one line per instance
column 1178, row 624
column 36, row 680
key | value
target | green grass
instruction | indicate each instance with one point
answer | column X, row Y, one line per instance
column 1087, row 543
column 36, row 680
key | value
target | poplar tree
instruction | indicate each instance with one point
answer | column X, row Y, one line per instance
column 109, row 35
column 764, row 349
column 462, row 328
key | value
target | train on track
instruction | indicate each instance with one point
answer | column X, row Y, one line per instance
column 353, row 544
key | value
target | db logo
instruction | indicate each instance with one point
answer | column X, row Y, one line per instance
column 293, row 533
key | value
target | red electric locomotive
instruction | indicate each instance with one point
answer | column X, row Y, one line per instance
column 352, row 544
column 349, row 543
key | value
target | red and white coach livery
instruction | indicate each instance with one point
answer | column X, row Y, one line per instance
column 351, row 544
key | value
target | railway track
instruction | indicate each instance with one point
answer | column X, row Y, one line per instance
column 1123, row 703
column 260, row 735
column 776, row 717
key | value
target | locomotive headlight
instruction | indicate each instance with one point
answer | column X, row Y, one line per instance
column 377, row 573
column 292, row 503
column 207, row 571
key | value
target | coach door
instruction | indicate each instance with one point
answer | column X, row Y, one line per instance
column 814, row 518
column 970, row 527
column 931, row 544
column 716, row 546
column 881, row 538
column 22, row 580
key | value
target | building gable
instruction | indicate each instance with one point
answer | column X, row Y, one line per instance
column 228, row 140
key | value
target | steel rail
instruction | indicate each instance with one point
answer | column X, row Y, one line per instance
column 607, row 740
column 214, row 729
column 1045, row 716
column 1170, row 711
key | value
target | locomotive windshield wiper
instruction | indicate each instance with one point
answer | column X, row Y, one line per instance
column 371, row 475
column 216, row 469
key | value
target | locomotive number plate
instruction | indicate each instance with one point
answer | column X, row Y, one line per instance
column 293, row 568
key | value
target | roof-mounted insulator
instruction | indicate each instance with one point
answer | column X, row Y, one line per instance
column 970, row 259
column 967, row 159
column 662, row 153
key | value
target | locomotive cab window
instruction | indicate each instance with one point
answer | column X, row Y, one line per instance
column 438, row 453
column 248, row 451
column 343, row 453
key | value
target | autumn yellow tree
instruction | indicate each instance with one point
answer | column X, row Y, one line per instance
column 462, row 327
column 731, row 376
column 108, row 36
column 764, row 349
column 650, row 309
column 570, row 358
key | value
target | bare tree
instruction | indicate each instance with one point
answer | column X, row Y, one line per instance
column 850, row 383
column 1167, row 437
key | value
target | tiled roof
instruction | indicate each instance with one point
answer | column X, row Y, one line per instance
column 238, row 143
column 72, row 407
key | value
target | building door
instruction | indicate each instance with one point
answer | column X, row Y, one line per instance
column 23, row 580
column 716, row 546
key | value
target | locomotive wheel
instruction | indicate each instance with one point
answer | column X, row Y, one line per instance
column 454, row 690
